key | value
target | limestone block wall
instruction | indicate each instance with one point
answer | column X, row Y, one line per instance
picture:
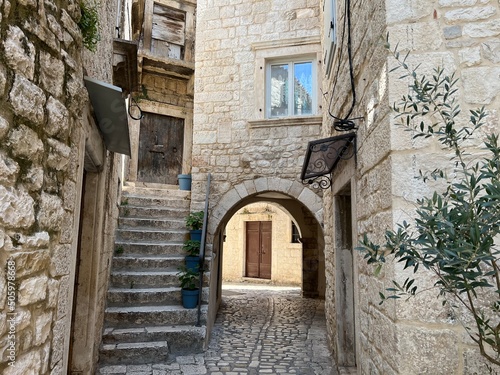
column 230, row 137
column 286, row 263
column 168, row 90
column 461, row 37
column 416, row 336
column 43, row 104
column 246, row 153
column 369, row 202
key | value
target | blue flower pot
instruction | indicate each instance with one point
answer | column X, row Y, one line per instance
column 195, row 235
column 184, row 181
column 192, row 263
column 190, row 298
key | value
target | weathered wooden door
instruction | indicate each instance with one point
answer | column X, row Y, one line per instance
column 259, row 249
column 344, row 280
column 161, row 140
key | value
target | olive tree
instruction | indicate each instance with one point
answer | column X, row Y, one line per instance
column 455, row 231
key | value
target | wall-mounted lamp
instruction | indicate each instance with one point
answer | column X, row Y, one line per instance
column 323, row 156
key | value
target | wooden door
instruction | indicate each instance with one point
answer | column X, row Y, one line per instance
column 344, row 280
column 259, row 249
column 161, row 140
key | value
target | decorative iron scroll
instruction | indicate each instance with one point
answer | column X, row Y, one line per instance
column 320, row 182
column 323, row 156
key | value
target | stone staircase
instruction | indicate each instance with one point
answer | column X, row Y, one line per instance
column 144, row 319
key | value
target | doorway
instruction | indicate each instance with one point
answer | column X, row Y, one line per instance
column 258, row 249
column 344, row 281
column 161, row 140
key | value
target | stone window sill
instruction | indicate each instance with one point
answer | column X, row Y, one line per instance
column 288, row 121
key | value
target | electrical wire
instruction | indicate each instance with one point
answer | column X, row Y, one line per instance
column 133, row 103
column 346, row 123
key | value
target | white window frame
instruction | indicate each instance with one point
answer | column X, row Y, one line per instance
column 329, row 33
column 274, row 50
column 291, row 61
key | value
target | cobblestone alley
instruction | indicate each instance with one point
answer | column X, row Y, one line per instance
column 257, row 331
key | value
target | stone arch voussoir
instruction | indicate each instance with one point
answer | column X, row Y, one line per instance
column 249, row 188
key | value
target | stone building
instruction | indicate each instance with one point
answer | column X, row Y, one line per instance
column 252, row 154
column 379, row 188
column 253, row 141
column 59, row 184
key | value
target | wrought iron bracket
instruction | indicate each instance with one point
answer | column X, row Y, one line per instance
column 323, row 156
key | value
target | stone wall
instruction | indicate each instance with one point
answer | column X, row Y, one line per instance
column 168, row 90
column 286, row 263
column 417, row 336
column 43, row 104
column 246, row 153
column 460, row 36
column 229, row 138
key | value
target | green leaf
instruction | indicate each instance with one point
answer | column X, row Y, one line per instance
column 378, row 269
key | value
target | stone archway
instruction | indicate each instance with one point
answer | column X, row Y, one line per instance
column 304, row 205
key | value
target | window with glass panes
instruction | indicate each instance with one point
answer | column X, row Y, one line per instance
column 291, row 87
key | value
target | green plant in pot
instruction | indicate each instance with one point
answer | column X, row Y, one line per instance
column 192, row 248
column 189, row 283
column 194, row 222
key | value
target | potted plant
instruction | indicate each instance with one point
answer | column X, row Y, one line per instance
column 194, row 222
column 192, row 248
column 189, row 285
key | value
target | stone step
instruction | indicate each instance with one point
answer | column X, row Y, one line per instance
column 128, row 317
column 144, row 318
column 128, row 353
column 144, row 296
column 142, row 263
column 127, row 222
column 170, row 201
column 182, row 339
column 141, row 248
column 138, row 263
column 148, row 279
column 154, row 190
column 148, row 296
column 144, row 279
column 138, row 234
column 129, row 211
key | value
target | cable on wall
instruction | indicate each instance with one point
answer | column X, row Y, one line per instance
column 346, row 123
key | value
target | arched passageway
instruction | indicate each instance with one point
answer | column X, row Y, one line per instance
column 302, row 205
column 262, row 245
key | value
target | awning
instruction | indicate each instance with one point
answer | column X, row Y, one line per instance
column 111, row 113
column 323, row 156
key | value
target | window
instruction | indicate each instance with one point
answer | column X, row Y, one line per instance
column 295, row 234
column 329, row 32
column 291, row 88
column 168, row 32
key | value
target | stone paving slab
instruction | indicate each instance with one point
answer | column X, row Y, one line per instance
column 257, row 331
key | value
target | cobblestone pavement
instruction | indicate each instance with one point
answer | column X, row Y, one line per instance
column 257, row 331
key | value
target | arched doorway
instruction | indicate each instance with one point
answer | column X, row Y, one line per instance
column 305, row 208
column 262, row 244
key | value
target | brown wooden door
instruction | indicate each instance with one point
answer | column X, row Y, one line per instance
column 259, row 249
column 161, row 140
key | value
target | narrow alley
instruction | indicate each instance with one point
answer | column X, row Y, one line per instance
column 259, row 330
